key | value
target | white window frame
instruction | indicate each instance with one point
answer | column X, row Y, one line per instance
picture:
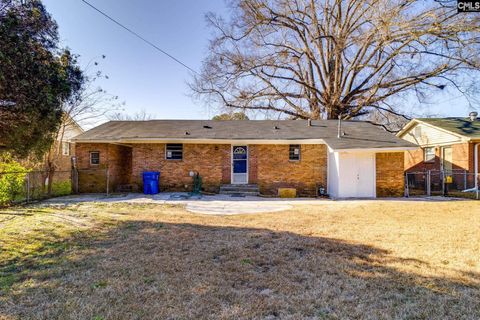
column 166, row 152
column 65, row 148
column 299, row 152
column 91, row 153
column 425, row 155
column 232, row 149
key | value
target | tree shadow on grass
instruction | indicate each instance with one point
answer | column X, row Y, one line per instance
column 161, row 270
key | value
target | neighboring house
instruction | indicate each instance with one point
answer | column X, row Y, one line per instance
column 64, row 148
column 59, row 155
column 447, row 144
column 364, row 161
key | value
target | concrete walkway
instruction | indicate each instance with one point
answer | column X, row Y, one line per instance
column 236, row 207
column 215, row 204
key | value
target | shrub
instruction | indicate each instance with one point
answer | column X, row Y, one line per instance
column 62, row 188
column 12, row 179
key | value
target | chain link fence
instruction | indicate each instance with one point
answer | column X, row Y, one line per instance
column 17, row 187
column 452, row 183
column 27, row 186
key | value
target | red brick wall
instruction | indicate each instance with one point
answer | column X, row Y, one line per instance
column 273, row 169
column 212, row 162
column 93, row 178
column 462, row 157
column 253, row 164
column 472, row 154
column 64, row 163
column 269, row 166
column 414, row 161
column 389, row 174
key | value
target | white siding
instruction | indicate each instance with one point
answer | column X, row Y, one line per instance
column 333, row 173
column 423, row 135
column 68, row 131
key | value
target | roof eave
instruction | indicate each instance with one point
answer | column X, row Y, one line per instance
column 406, row 128
column 201, row 140
column 463, row 137
column 380, row 149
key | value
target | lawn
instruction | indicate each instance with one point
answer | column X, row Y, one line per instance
column 354, row 260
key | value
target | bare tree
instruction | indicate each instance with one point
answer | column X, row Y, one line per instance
column 91, row 106
column 94, row 104
column 325, row 58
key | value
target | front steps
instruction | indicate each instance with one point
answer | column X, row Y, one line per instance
column 240, row 189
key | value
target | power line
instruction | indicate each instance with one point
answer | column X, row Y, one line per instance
column 138, row 36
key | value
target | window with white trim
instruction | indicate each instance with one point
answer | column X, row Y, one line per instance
column 174, row 151
column 94, row 157
column 294, row 152
column 429, row 154
column 65, row 148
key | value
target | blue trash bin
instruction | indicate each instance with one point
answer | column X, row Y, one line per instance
column 150, row 182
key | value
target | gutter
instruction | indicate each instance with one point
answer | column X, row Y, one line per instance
column 409, row 125
column 201, row 141
column 386, row 149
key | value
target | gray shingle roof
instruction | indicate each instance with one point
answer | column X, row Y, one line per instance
column 358, row 134
column 461, row 126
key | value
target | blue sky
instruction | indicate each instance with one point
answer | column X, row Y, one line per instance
column 138, row 74
column 144, row 78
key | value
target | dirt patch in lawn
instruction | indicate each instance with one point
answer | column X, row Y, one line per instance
column 368, row 260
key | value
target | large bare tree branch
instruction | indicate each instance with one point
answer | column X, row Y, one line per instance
column 322, row 58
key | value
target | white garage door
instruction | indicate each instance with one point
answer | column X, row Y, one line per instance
column 357, row 175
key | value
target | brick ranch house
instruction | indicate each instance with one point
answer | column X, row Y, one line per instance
column 447, row 144
column 365, row 161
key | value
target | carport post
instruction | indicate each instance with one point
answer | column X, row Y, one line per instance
column 406, row 185
column 477, row 177
column 443, row 182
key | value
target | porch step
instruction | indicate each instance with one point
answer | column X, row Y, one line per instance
column 240, row 189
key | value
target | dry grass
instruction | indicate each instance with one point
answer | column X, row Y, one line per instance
column 369, row 260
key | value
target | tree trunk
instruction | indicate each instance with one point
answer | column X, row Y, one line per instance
column 51, row 173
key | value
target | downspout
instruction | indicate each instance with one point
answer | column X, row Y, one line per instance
column 339, row 128
column 475, row 164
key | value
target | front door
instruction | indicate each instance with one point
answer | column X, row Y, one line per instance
column 239, row 164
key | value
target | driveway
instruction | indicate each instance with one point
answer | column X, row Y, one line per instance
column 214, row 204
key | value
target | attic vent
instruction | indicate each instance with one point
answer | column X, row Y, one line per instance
column 187, row 133
column 207, row 127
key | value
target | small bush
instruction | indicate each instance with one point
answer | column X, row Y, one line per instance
column 12, row 179
column 62, row 188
